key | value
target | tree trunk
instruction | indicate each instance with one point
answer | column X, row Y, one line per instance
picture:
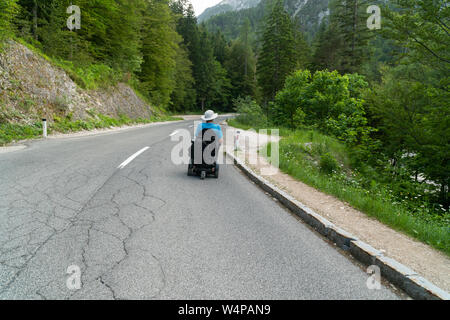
column 246, row 54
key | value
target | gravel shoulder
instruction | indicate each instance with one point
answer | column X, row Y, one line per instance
column 428, row 262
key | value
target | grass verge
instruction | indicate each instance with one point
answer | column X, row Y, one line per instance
column 10, row 132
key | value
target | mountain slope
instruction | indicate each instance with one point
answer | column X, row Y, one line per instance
column 31, row 87
column 229, row 18
column 227, row 6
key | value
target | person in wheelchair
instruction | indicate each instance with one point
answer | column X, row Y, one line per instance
column 204, row 150
column 208, row 123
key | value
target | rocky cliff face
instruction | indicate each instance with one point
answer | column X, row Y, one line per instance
column 31, row 88
column 226, row 6
column 310, row 13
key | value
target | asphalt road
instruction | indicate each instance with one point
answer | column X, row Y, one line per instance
column 148, row 231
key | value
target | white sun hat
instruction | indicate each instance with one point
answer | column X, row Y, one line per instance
column 209, row 115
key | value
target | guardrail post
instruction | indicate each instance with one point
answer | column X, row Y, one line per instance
column 44, row 128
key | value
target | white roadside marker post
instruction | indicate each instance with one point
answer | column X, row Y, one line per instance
column 44, row 128
column 236, row 141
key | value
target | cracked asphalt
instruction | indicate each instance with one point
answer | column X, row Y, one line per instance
column 149, row 231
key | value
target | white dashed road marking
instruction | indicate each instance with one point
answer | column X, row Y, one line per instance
column 134, row 156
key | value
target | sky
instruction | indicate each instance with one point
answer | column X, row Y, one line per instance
column 201, row 5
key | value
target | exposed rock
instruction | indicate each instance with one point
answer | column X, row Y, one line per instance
column 31, row 87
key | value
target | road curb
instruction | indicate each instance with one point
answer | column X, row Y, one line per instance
column 413, row 284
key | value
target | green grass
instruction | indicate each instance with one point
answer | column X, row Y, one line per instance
column 304, row 152
column 10, row 132
column 13, row 132
column 90, row 77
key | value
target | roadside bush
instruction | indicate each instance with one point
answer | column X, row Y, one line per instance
column 326, row 100
column 250, row 113
column 328, row 164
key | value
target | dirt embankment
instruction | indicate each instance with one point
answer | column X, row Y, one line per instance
column 31, row 88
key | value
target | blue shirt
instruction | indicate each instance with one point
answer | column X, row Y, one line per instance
column 216, row 128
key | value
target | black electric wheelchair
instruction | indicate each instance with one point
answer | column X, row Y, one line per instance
column 203, row 155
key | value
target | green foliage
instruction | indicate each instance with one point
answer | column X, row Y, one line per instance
column 351, row 20
column 207, row 53
column 184, row 95
column 328, row 164
column 422, row 27
column 230, row 23
column 241, row 66
column 250, row 113
column 14, row 132
column 302, row 49
column 325, row 100
column 326, row 46
column 342, row 42
column 414, row 120
column 277, row 56
column 94, row 76
column 8, row 11
column 160, row 46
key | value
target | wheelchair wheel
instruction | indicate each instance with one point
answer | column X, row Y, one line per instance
column 216, row 172
column 190, row 172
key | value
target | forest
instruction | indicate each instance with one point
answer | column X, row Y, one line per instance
column 382, row 94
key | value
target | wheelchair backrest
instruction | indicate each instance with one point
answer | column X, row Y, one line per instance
column 209, row 135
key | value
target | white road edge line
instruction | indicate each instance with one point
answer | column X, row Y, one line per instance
column 173, row 133
column 134, row 156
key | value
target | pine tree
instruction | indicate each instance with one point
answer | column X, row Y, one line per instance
column 160, row 46
column 124, row 36
column 327, row 48
column 211, row 80
column 277, row 57
column 413, row 102
column 205, row 70
column 241, row 66
column 49, row 26
column 351, row 22
column 184, row 94
column 188, row 29
column 302, row 48
column 220, row 46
